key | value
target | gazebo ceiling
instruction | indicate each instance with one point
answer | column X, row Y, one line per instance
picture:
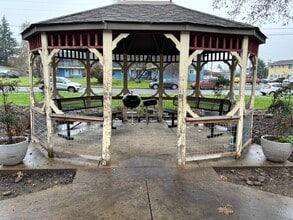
column 151, row 43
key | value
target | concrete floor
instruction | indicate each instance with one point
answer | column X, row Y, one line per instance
column 144, row 182
column 140, row 145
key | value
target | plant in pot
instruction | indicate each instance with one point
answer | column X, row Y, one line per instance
column 279, row 147
column 13, row 122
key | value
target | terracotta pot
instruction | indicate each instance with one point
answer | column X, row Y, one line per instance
column 12, row 154
column 275, row 151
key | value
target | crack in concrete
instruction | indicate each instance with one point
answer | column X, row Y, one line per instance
column 149, row 199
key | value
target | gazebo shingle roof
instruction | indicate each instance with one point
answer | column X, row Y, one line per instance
column 146, row 12
column 145, row 16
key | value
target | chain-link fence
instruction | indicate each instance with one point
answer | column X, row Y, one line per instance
column 207, row 139
column 39, row 126
column 247, row 127
column 78, row 138
column 70, row 138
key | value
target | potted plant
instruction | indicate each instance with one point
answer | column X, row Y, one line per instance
column 278, row 147
column 13, row 122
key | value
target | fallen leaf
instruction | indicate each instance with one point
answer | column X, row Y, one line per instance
column 223, row 178
column 18, row 179
column 6, row 193
column 29, row 181
column 225, row 210
column 19, row 174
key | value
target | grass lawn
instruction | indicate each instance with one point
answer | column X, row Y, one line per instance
column 22, row 99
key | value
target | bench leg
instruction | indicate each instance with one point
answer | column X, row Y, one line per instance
column 68, row 136
column 147, row 115
column 173, row 121
column 212, row 135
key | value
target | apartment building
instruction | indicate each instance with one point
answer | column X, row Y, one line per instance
column 281, row 68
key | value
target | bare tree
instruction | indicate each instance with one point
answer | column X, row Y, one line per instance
column 258, row 11
column 20, row 60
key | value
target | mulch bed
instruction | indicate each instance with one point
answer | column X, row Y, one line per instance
column 278, row 180
column 15, row 183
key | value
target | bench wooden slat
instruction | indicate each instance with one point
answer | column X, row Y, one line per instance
column 76, row 118
column 210, row 120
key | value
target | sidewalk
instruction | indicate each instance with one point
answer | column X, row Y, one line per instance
column 147, row 193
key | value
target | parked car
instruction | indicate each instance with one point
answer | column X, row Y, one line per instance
column 167, row 83
column 205, row 84
column 237, row 79
column 278, row 80
column 249, row 80
column 8, row 75
column 265, row 80
column 64, row 84
column 270, row 88
column 287, row 82
column 3, row 75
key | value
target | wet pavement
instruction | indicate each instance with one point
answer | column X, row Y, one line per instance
column 142, row 185
column 147, row 193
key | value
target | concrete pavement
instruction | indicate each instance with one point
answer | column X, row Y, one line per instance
column 148, row 193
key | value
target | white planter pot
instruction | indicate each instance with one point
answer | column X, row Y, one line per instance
column 12, row 154
column 275, row 151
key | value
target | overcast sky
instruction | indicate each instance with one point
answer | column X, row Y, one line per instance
column 279, row 45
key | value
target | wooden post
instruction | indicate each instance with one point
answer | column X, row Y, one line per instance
column 232, row 68
column 31, row 57
column 161, row 89
column 243, row 63
column 198, row 67
column 183, row 71
column 184, row 61
column 88, row 66
column 55, row 92
column 125, row 68
column 106, row 61
column 254, row 61
column 46, row 71
column 107, row 109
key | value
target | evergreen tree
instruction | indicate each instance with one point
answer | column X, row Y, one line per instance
column 7, row 42
column 262, row 70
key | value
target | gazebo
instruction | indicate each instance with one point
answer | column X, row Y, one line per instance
column 153, row 32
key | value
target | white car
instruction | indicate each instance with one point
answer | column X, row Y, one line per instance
column 287, row 82
column 65, row 84
column 270, row 88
